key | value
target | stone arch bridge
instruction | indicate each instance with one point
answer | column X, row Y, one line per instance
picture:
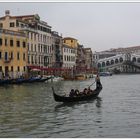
column 128, row 62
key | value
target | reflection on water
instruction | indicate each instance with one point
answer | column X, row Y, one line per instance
column 29, row 110
column 71, row 104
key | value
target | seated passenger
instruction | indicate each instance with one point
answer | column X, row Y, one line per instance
column 80, row 94
column 89, row 91
column 85, row 91
column 77, row 92
column 72, row 93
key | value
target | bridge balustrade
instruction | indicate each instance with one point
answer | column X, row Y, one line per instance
column 127, row 62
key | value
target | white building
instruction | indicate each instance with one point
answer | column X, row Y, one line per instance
column 69, row 56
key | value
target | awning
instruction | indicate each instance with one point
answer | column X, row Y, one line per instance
column 34, row 69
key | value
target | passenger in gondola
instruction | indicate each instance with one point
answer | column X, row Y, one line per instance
column 80, row 93
column 89, row 90
column 98, row 83
column 85, row 91
column 76, row 92
column 72, row 93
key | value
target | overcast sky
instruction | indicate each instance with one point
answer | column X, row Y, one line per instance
column 99, row 26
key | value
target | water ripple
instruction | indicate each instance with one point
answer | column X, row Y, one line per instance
column 29, row 110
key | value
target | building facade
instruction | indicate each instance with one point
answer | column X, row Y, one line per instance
column 69, row 52
column 84, row 60
column 40, row 49
column 57, row 60
column 88, row 58
column 69, row 57
column 13, row 53
column 80, row 59
column 39, row 46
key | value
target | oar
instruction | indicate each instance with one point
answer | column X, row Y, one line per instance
column 53, row 89
column 91, row 84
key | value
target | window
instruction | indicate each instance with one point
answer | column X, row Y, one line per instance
column 6, row 55
column 11, row 55
column 24, row 56
column 24, row 44
column 0, row 41
column 24, row 68
column 18, row 56
column 11, row 68
column 18, row 43
column 0, row 55
column 38, row 27
column 32, row 59
column 31, row 36
column 12, row 24
column 22, row 25
column 31, row 47
column 1, row 25
column 6, row 42
column 35, row 48
column 17, row 23
column 29, row 59
column 11, row 43
column 39, row 47
column 18, row 68
column 0, row 68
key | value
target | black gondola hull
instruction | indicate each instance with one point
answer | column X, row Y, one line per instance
column 90, row 96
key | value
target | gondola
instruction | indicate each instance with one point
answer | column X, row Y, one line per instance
column 33, row 79
column 44, row 79
column 18, row 81
column 66, row 99
column 5, row 81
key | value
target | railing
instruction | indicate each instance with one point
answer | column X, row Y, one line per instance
column 28, row 29
column 6, row 61
column 132, row 64
column 12, row 32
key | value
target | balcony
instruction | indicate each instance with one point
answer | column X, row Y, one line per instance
column 57, row 41
column 7, row 60
column 28, row 29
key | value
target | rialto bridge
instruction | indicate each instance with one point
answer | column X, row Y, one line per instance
column 129, row 62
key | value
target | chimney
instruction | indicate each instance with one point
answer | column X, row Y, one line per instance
column 7, row 12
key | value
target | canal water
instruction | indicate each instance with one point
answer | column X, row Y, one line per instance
column 29, row 110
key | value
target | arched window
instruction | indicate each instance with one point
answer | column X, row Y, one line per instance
column 99, row 65
column 107, row 63
column 112, row 62
column 116, row 60
column 134, row 59
column 121, row 59
column 138, row 60
column 103, row 64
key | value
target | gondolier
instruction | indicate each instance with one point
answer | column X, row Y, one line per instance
column 98, row 83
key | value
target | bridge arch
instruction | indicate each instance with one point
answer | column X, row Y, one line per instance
column 134, row 59
column 103, row 64
column 138, row 60
column 107, row 63
column 116, row 60
column 121, row 59
column 112, row 62
column 99, row 65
